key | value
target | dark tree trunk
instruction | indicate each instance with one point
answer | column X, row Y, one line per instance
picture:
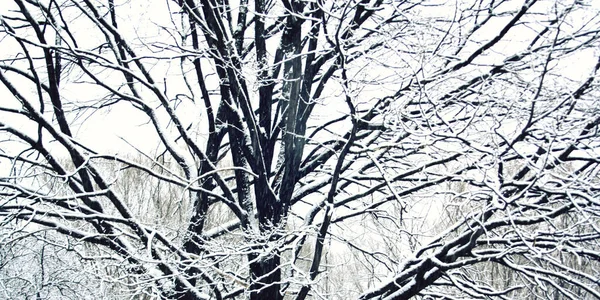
column 266, row 276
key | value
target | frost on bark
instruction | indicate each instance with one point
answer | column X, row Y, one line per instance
column 370, row 149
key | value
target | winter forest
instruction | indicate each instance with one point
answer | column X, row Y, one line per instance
column 299, row 149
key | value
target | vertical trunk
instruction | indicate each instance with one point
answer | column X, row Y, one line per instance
column 272, row 210
column 266, row 276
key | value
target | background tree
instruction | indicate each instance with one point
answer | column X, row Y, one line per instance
column 413, row 147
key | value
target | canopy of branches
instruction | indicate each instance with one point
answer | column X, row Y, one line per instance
column 271, row 149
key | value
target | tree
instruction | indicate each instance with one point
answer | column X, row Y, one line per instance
column 368, row 149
